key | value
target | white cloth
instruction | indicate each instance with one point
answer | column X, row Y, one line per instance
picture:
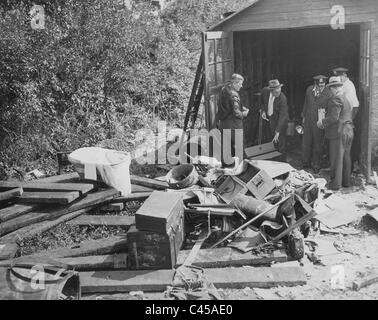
column 270, row 104
column 350, row 93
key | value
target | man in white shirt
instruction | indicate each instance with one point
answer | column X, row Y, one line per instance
column 348, row 88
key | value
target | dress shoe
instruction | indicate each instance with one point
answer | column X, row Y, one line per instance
column 316, row 169
column 331, row 186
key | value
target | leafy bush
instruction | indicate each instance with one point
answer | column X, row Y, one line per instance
column 94, row 74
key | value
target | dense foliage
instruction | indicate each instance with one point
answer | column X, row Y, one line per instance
column 94, row 73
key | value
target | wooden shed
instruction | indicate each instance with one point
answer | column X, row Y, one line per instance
column 293, row 40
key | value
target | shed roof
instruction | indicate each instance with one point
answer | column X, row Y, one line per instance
column 253, row 2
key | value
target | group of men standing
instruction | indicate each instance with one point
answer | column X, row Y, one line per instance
column 329, row 110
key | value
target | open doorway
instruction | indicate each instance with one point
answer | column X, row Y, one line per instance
column 293, row 56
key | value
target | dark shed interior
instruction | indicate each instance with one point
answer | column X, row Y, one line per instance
column 293, row 56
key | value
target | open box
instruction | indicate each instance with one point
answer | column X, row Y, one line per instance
column 253, row 180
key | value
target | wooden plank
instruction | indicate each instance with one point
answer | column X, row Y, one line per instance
column 90, row 200
column 150, row 183
column 111, row 221
column 228, row 257
column 8, row 250
column 111, row 245
column 15, row 211
column 69, row 177
column 11, row 194
column 240, row 278
column 362, row 283
column 37, row 228
column 63, row 198
column 113, row 207
column 90, row 263
column 131, row 197
column 125, row 281
column 93, row 263
column 84, row 188
column 157, row 281
column 140, row 189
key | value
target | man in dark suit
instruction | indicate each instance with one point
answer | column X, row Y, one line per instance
column 313, row 139
column 275, row 111
column 231, row 114
column 338, row 125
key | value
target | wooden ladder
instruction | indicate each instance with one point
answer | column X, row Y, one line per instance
column 195, row 97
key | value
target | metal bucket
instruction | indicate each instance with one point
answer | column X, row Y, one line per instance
column 299, row 129
column 182, row 176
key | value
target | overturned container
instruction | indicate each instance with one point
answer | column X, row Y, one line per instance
column 109, row 166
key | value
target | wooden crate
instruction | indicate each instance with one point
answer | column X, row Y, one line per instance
column 160, row 212
column 150, row 250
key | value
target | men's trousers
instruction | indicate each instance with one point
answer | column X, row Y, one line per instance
column 312, row 145
column 341, row 163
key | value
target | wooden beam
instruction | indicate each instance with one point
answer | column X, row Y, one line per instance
column 228, row 257
column 116, row 244
column 157, row 281
column 111, row 221
column 63, row 198
column 38, row 228
column 140, row 189
column 15, row 211
column 150, row 183
column 11, row 194
column 8, row 250
column 93, row 263
column 131, row 197
column 240, row 278
column 113, row 207
column 362, row 283
column 90, row 263
column 69, row 177
column 125, row 281
column 84, row 188
column 90, row 200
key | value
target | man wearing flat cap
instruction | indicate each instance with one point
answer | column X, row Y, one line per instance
column 350, row 92
column 231, row 114
column 315, row 101
column 338, row 127
column 275, row 111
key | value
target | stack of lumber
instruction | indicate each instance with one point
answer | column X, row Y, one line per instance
column 29, row 208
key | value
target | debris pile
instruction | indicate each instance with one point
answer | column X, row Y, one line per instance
column 198, row 229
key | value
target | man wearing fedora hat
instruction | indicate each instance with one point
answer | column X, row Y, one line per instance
column 315, row 100
column 230, row 115
column 275, row 111
column 338, row 127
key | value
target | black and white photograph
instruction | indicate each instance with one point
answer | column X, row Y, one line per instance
column 187, row 154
